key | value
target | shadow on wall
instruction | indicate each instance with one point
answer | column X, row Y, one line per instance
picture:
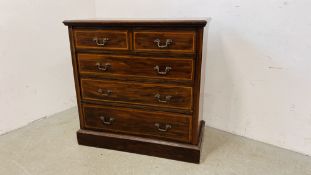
column 231, row 69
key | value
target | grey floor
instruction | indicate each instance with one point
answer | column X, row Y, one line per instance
column 49, row 147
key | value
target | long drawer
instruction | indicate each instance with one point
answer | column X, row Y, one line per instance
column 144, row 123
column 137, row 93
column 144, row 67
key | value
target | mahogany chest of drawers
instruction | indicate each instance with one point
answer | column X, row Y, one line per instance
column 138, row 85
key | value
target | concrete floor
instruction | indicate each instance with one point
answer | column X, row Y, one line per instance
column 49, row 147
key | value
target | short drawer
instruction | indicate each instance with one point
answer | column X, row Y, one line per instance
column 137, row 93
column 144, row 123
column 101, row 39
column 148, row 67
column 176, row 41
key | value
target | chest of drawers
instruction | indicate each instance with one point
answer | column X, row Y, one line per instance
column 138, row 85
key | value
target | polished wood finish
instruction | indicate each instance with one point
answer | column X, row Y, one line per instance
column 165, row 149
column 138, row 122
column 137, row 93
column 138, row 85
column 129, row 66
column 93, row 39
column 76, row 76
column 137, row 23
column 181, row 41
column 197, row 101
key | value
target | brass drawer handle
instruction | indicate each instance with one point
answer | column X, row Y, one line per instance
column 106, row 120
column 165, row 100
column 104, row 93
column 165, row 129
column 101, row 42
column 166, row 70
column 167, row 43
column 104, row 67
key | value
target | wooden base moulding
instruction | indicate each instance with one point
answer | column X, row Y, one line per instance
column 151, row 147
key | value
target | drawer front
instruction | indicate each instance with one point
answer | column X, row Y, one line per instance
column 177, row 41
column 137, row 93
column 161, row 68
column 157, row 124
column 101, row 39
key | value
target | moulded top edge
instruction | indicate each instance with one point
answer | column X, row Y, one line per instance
column 138, row 22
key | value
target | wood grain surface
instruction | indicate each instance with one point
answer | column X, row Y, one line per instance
column 138, row 122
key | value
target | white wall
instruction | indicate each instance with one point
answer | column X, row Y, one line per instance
column 258, row 81
column 35, row 64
